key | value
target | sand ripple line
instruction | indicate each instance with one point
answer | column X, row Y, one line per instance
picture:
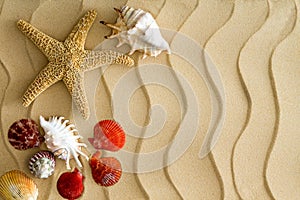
column 224, row 48
column 204, row 22
column 3, row 91
column 160, row 4
column 255, row 57
column 282, row 161
column 143, row 178
column 1, row 6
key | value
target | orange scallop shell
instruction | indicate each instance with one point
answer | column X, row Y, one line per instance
column 108, row 135
column 16, row 185
column 105, row 171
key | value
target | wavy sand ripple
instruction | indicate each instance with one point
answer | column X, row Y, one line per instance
column 224, row 48
column 249, row 164
column 204, row 21
column 283, row 166
column 153, row 182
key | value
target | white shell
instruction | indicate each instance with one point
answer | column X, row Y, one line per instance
column 62, row 139
column 139, row 30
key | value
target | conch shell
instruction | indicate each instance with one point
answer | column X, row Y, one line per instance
column 139, row 30
column 62, row 139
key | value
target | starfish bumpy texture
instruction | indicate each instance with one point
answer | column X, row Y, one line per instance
column 68, row 61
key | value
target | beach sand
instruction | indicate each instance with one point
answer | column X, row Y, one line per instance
column 254, row 46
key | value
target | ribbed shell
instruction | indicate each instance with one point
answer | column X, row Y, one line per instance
column 108, row 135
column 139, row 30
column 16, row 185
column 42, row 164
column 105, row 171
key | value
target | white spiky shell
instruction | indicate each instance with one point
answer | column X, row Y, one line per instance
column 139, row 30
column 62, row 138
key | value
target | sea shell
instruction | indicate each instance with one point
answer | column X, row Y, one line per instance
column 42, row 164
column 105, row 171
column 108, row 135
column 139, row 30
column 62, row 139
column 70, row 184
column 24, row 134
column 16, row 185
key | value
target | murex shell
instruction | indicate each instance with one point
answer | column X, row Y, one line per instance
column 62, row 138
column 108, row 135
column 16, row 185
column 139, row 30
column 105, row 171
column 42, row 164
column 24, row 134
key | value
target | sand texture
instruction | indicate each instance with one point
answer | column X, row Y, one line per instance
column 250, row 109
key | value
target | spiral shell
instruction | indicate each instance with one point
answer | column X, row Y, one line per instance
column 108, row 135
column 62, row 139
column 105, row 171
column 24, row 134
column 139, row 30
column 42, row 164
column 16, row 185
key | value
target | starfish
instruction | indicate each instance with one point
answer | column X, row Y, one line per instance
column 68, row 60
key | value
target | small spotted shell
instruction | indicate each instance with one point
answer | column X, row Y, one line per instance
column 16, row 185
column 24, row 134
column 139, row 30
column 105, row 171
column 62, row 138
column 108, row 135
column 42, row 164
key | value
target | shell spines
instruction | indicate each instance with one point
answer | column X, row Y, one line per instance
column 139, row 30
column 62, row 139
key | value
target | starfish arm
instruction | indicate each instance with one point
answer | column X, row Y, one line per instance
column 47, row 77
column 75, row 85
column 99, row 58
column 48, row 45
column 80, row 31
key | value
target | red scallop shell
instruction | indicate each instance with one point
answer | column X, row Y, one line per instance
column 108, row 135
column 24, row 134
column 105, row 171
column 70, row 185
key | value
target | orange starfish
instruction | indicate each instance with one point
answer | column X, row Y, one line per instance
column 68, row 61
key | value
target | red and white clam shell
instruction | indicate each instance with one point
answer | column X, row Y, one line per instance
column 24, row 134
column 105, row 171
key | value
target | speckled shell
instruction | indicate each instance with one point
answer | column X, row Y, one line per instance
column 105, row 171
column 16, row 185
column 139, row 30
column 62, row 138
column 108, row 135
column 24, row 134
column 42, row 164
